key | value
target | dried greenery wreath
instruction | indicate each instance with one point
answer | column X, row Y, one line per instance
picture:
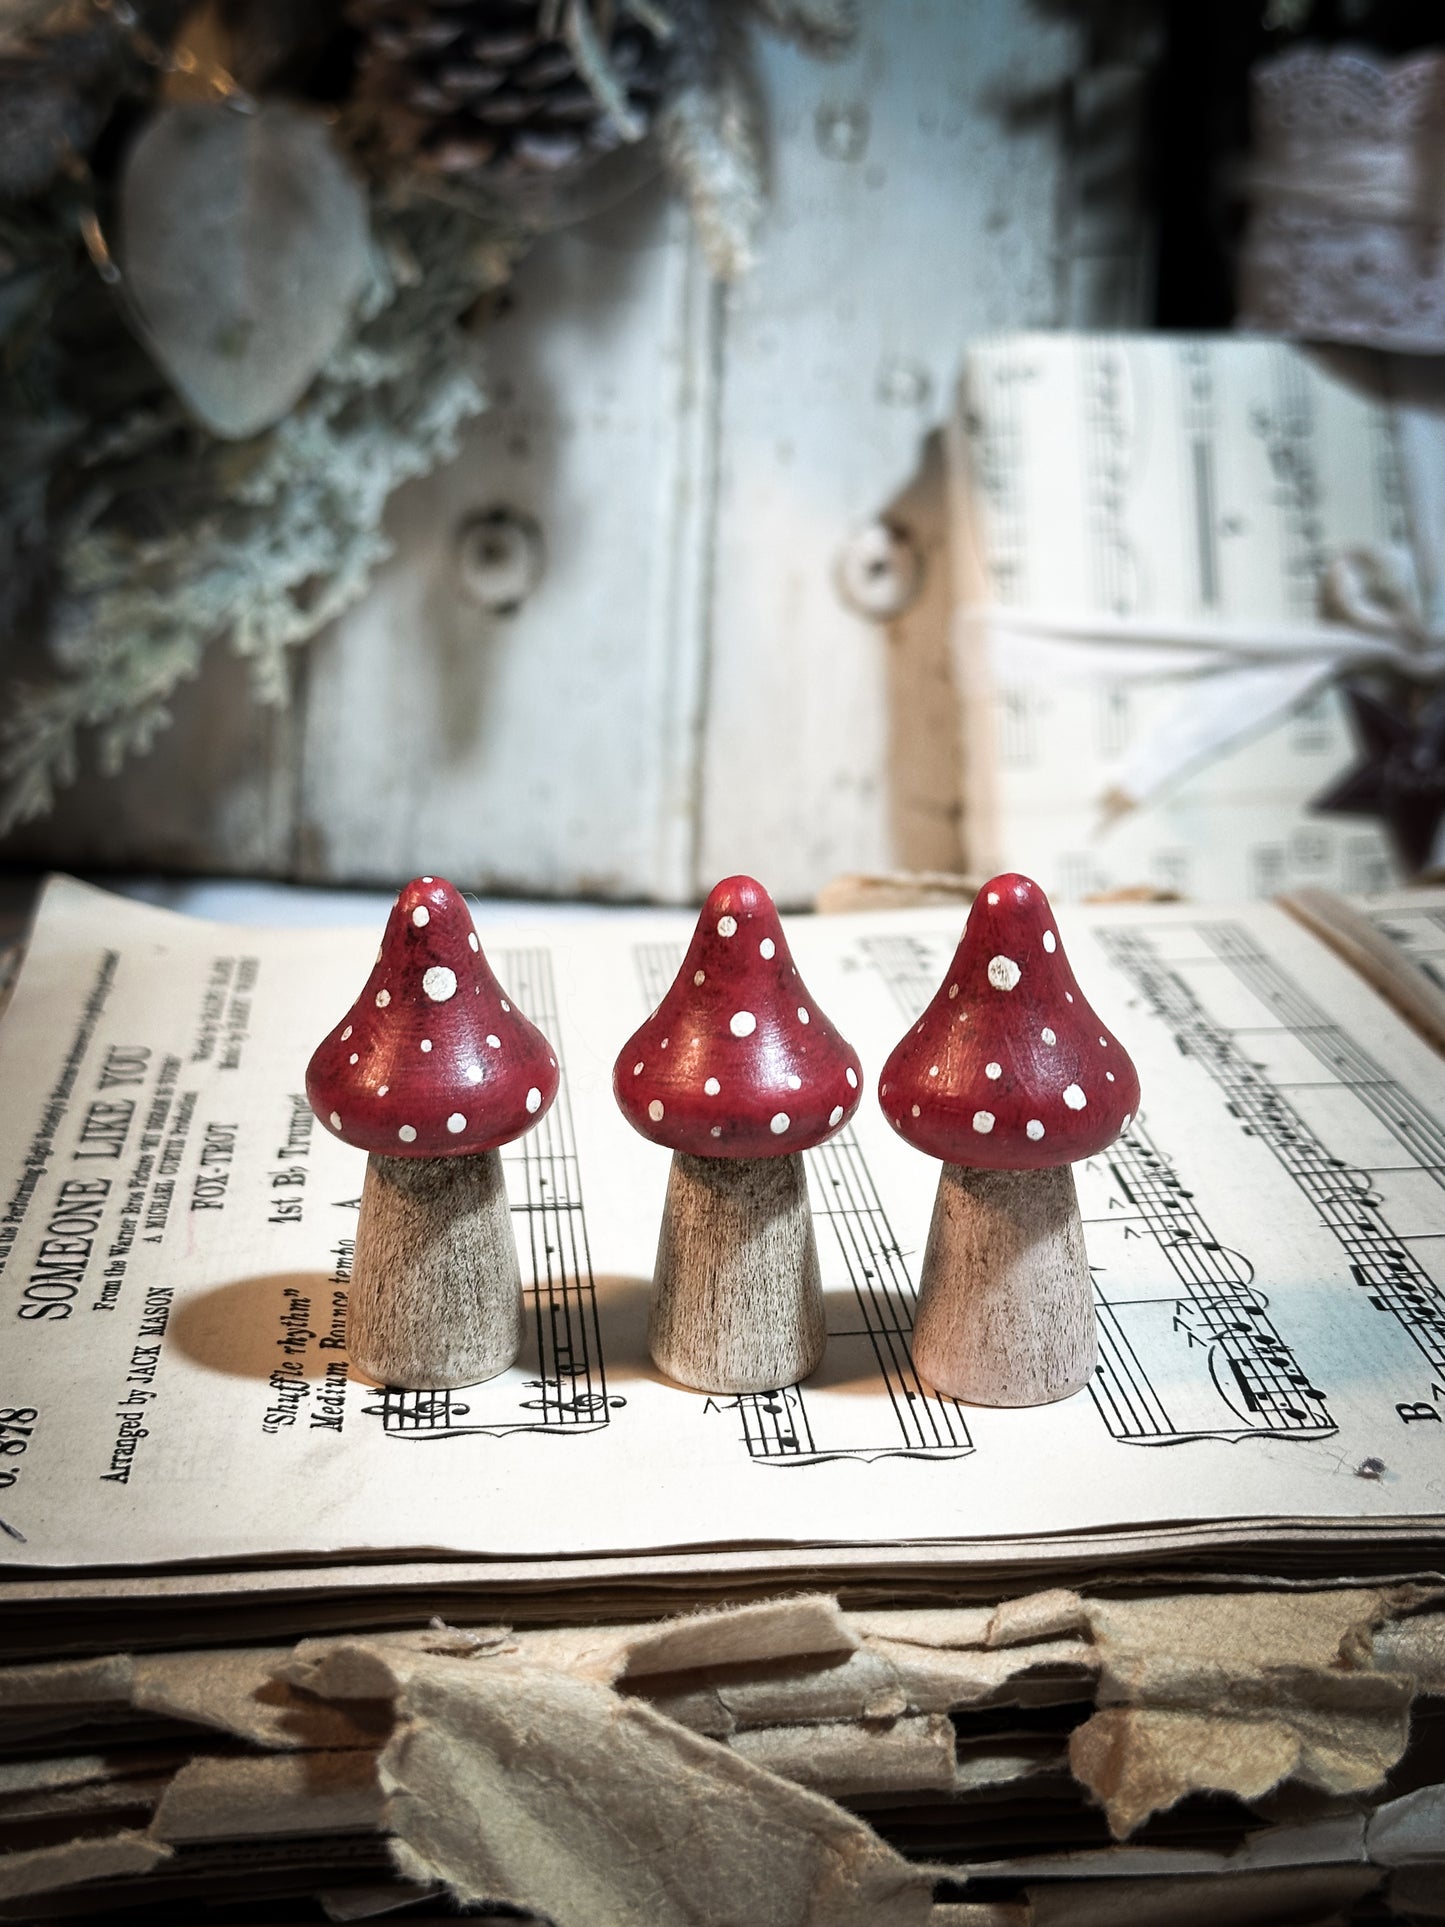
column 246, row 250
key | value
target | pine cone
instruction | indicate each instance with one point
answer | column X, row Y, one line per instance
column 507, row 90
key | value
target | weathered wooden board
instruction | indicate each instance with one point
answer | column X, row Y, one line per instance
column 685, row 692
column 917, row 196
column 547, row 750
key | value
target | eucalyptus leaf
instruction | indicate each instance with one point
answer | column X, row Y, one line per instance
column 245, row 247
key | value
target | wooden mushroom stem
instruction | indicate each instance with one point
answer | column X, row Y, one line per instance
column 1006, row 1305
column 436, row 1290
column 737, row 1304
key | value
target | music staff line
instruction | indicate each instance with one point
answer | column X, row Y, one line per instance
column 778, row 1425
column 1413, row 1127
column 1424, row 913
column 1260, row 1385
column 1217, row 1308
column 1341, row 1192
column 884, row 1292
column 1425, row 950
column 569, row 1394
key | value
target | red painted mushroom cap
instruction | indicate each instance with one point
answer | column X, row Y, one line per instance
column 433, row 1059
column 1009, row 1069
column 737, row 1061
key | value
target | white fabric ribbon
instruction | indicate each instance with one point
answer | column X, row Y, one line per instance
column 1244, row 675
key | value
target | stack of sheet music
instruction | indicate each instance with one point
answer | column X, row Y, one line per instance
column 810, row 1765
column 188, row 1469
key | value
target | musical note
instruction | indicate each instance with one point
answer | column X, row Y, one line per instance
column 1220, row 1318
column 1349, row 1205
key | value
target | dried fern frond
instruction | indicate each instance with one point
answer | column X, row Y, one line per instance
column 158, row 541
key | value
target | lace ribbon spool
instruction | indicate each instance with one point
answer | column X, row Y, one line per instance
column 1346, row 240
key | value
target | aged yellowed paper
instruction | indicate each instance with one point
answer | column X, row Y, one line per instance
column 176, row 1232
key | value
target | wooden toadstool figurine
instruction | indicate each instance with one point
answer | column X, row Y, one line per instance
column 1010, row 1078
column 738, row 1073
column 430, row 1071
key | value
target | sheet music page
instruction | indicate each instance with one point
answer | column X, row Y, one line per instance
column 176, row 1235
column 1414, row 922
column 1188, row 478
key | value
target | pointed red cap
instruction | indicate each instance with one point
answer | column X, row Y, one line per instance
column 433, row 1059
column 738, row 1061
column 1009, row 1069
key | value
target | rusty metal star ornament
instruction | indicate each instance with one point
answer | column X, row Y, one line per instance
column 1400, row 774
